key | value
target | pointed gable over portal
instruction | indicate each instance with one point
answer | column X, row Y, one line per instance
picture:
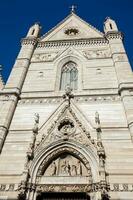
column 72, row 27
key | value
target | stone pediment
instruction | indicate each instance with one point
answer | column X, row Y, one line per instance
column 66, row 124
column 72, row 27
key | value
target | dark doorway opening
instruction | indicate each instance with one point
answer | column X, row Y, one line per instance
column 64, row 196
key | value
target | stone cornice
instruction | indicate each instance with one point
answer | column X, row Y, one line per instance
column 77, row 99
column 29, row 41
column 125, row 86
column 77, row 42
column 6, row 96
column 114, row 35
column 113, row 187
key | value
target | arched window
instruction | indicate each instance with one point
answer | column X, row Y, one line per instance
column 69, row 76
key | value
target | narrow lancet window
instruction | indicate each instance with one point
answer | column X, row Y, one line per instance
column 69, row 76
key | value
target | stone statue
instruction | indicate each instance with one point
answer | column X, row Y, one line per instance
column 101, row 161
column 36, row 119
column 74, row 170
column 68, row 94
column 97, row 119
column 65, row 168
column 79, row 168
column 53, row 169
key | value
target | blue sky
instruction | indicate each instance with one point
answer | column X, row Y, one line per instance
column 16, row 16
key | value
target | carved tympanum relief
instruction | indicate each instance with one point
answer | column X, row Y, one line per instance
column 97, row 54
column 66, row 165
column 44, row 57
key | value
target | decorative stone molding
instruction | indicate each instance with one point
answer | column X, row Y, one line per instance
column 45, row 57
column 90, row 99
column 63, row 188
column 96, row 54
column 121, row 187
column 28, row 41
column 7, row 97
column 112, row 98
column 115, row 187
column 9, row 187
column 83, row 42
column 114, row 35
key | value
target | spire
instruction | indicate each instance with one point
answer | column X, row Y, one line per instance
column 34, row 30
column 110, row 25
column 1, row 79
column 73, row 8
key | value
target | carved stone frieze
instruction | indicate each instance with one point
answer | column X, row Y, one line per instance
column 77, row 42
column 7, row 97
column 63, row 188
column 90, row 54
column 114, row 35
column 114, row 187
column 44, row 57
column 91, row 99
column 29, row 41
column 121, row 187
column 8, row 187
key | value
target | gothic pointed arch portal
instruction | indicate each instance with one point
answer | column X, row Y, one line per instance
column 63, row 167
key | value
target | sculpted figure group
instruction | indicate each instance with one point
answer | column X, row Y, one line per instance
column 65, row 169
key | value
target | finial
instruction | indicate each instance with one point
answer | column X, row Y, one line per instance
column 107, row 18
column 0, row 67
column 73, row 7
column 37, row 22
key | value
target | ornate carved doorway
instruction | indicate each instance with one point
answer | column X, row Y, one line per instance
column 64, row 196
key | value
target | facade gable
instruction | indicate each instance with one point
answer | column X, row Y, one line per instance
column 73, row 27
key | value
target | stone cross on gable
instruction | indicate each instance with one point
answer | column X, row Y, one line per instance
column 73, row 7
column 68, row 94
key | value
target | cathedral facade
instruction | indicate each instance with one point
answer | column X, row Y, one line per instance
column 66, row 116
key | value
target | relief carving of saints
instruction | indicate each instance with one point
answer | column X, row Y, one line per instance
column 79, row 168
column 53, row 169
column 74, row 170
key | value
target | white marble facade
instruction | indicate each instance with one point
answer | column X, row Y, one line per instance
column 53, row 140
